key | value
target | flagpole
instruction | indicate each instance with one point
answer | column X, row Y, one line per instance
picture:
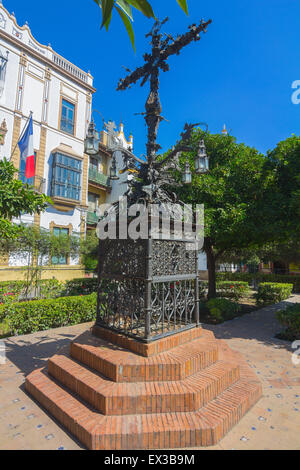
column 21, row 135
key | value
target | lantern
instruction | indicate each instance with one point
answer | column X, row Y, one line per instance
column 201, row 160
column 92, row 140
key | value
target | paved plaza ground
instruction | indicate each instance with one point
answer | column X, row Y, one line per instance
column 273, row 423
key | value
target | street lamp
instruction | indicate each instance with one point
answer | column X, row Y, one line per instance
column 113, row 169
column 187, row 174
column 201, row 160
column 91, row 143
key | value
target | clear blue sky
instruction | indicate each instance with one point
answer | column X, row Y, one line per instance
column 240, row 73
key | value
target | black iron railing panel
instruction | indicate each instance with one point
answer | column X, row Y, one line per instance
column 147, row 288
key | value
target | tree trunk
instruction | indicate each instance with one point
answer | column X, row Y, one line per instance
column 211, row 266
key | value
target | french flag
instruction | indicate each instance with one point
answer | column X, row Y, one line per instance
column 27, row 150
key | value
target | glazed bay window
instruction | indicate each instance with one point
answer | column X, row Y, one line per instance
column 67, row 119
column 66, row 177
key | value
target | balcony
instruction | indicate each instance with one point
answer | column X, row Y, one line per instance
column 99, row 178
column 92, row 218
column 70, row 68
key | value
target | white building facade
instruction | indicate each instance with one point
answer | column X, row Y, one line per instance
column 34, row 78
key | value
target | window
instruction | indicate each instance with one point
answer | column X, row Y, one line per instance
column 22, row 176
column 67, row 118
column 59, row 232
column 66, row 176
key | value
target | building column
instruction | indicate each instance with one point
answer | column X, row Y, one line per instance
column 15, row 151
column 39, row 167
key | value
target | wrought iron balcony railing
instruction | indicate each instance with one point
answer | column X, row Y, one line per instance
column 92, row 218
column 99, row 178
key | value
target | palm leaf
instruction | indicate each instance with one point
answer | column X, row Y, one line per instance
column 143, row 6
column 124, row 5
column 128, row 26
column 106, row 6
column 183, row 4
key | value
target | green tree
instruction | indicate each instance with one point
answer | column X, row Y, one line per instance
column 38, row 246
column 284, row 162
column 235, row 193
column 16, row 198
column 124, row 9
column 89, row 250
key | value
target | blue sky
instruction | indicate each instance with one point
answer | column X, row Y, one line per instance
column 240, row 73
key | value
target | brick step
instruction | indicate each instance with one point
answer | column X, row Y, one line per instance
column 112, row 398
column 122, row 365
column 148, row 349
column 149, row 431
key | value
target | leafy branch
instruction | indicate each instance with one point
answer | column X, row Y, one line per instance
column 124, row 9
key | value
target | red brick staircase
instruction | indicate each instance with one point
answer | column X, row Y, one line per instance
column 112, row 392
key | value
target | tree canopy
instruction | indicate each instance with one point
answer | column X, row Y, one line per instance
column 236, row 195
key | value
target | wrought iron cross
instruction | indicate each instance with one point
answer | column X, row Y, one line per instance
column 163, row 46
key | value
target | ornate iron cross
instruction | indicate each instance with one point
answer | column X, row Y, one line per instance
column 151, row 172
column 163, row 46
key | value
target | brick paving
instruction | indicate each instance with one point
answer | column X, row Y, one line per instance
column 273, row 423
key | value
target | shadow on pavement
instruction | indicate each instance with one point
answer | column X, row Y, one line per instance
column 32, row 354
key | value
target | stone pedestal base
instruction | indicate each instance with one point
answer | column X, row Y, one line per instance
column 112, row 392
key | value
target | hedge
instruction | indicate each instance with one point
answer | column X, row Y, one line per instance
column 271, row 293
column 262, row 277
column 38, row 315
column 290, row 318
column 11, row 291
column 231, row 289
column 84, row 286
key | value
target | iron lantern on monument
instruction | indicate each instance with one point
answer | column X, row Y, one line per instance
column 91, row 143
column 201, row 160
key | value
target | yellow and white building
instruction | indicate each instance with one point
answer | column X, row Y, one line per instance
column 33, row 77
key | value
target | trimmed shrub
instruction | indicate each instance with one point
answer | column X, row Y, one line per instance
column 221, row 309
column 51, row 289
column 262, row 277
column 233, row 289
column 10, row 291
column 228, row 289
column 84, row 286
column 290, row 318
column 13, row 291
column 39, row 315
column 243, row 277
column 271, row 293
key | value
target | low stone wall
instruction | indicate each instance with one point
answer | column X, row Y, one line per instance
column 61, row 273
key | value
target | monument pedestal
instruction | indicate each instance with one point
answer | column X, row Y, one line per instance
column 114, row 393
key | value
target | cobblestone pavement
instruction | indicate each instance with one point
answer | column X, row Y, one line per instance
column 273, row 423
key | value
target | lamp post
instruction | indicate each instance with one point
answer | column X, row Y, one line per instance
column 91, row 143
column 201, row 160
